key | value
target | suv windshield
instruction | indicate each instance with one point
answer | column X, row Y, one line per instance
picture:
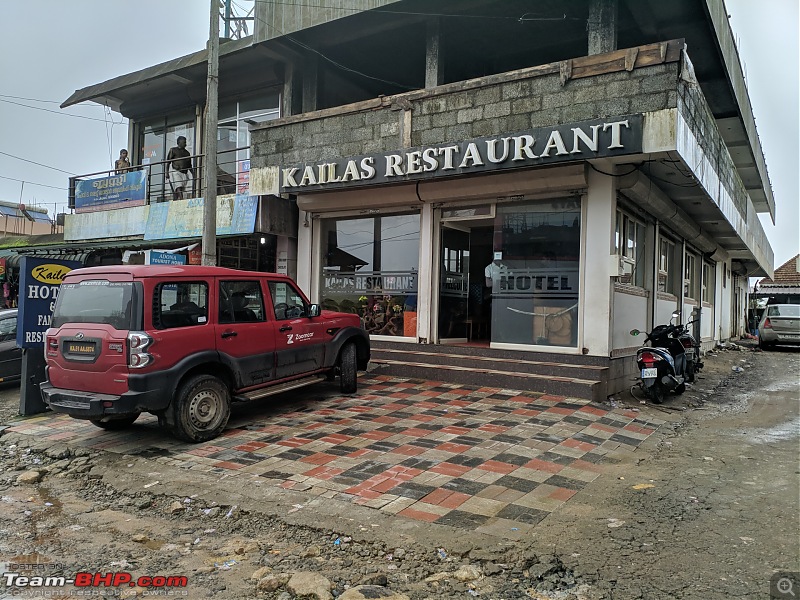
column 95, row 301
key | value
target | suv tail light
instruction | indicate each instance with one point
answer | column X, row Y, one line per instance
column 767, row 324
column 138, row 342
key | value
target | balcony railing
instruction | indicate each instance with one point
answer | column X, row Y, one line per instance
column 232, row 178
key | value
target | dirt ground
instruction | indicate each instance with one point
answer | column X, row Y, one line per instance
column 708, row 507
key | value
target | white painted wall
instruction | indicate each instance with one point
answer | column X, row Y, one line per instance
column 664, row 310
column 707, row 323
column 630, row 312
column 600, row 206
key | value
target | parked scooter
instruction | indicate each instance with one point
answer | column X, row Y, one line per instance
column 662, row 364
column 691, row 348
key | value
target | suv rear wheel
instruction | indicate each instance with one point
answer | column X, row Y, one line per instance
column 348, row 369
column 201, row 409
column 116, row 423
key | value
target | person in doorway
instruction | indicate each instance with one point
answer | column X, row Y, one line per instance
column 494, row 270
column 180, row 171
column 122, row 164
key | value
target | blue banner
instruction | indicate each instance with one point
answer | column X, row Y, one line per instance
column 184, row 218
column 166, row 258
column 39, row 283
column 116, row 191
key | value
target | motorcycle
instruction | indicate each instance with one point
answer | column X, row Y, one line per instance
column 662, row 364
column 691, row 349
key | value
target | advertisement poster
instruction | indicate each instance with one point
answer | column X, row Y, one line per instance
column 116, row 191
column 39, row 283
column 160, row 257
column 243, row 176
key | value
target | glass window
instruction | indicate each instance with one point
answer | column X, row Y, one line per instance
column 691, row 278
column 95, row 301
column 666, row 262
column 233, row 135
column 537, row 257
column 155, row 140
column 8, row 329
column 369, row 267
column 708, row 283
column 287, row 302
column 629, row 244
column 181, row 304
column 240, row 302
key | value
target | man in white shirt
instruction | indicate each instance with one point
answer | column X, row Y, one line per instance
column 494, row 270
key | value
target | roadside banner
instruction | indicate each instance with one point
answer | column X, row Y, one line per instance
column 117, row 191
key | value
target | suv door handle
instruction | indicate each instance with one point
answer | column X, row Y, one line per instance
column 285, row 328
column 228, row 334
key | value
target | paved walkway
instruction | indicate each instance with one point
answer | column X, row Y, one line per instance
column 487, row 459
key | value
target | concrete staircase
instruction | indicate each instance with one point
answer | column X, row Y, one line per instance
column 559, row 374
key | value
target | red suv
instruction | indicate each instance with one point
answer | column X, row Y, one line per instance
column 183, row 342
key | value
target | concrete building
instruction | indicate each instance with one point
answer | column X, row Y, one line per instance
column 528, row 182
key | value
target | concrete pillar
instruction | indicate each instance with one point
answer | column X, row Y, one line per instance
column 425, row 283
column 292, row 95
column 433, row 58
column 600, row 205
column 602, row 26
column 310, row 82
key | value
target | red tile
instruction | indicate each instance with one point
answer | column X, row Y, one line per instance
column 408, row 450
column 455, row 430
column 455, row 500
column 386, row 420
column 560, row 411
column 369, row 494
column 436, row 497
column 415, row 432
column 595, row 411
column 495, row 466
column 602, row 427
column 451, row 447
column 422, row 418
column 573, row 443
column 418, row 515
column 226, row 464
column 323, row 472
column 319, row 458
column 450, row 469
column 522, row 399
column 385, row 485
column 376, row 435
column 336, row 438
column 358, row 453
column 294, row 442
column 550, row 398
column 526, row 412
column 493, row 428
column 543, row 465
column 563, row 494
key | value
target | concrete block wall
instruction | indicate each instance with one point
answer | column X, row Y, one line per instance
column 458, row 112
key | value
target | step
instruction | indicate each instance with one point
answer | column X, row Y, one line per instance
column 536, row 366
column 485, row 351
column 279, row 388
column 589, row 389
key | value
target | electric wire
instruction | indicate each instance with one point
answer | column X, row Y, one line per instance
column 36, row 163
column 56, row 112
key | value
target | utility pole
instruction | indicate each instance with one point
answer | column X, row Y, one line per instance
column 210, row 134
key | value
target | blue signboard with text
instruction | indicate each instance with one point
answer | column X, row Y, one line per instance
column 117, row 191
column 39, row 283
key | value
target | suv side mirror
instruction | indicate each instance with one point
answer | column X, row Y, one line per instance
column 314, row 310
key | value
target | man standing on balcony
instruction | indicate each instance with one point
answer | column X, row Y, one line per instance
column 179, row 167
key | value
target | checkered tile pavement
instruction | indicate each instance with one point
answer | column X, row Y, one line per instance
column 494, row 460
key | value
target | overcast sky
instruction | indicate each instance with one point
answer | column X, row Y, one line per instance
column 50, row 48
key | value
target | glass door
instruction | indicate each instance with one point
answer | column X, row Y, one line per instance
column 454, row 282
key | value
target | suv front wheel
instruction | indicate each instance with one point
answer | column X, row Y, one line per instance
column 201, row 409
column 348, row 369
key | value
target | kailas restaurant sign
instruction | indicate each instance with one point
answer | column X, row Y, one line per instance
column 536, row 147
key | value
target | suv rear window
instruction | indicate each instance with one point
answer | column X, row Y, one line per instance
column 95, row 301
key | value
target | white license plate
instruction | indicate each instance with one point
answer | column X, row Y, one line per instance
column 689, row 353
column 649, row 373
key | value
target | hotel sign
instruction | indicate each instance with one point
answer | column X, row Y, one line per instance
column 536, row 147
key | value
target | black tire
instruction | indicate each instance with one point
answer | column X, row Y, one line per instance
column 201, row 409
column 680, row 389
column 764, row 345
column 348, row 369
column 690, row 371
column 655, row 393
column 117, row 423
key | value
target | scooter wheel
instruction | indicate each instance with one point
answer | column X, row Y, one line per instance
column 655, row 393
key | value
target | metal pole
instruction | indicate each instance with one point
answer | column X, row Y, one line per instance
column 210, row 134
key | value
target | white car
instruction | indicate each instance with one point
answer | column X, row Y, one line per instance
column 780, row 324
